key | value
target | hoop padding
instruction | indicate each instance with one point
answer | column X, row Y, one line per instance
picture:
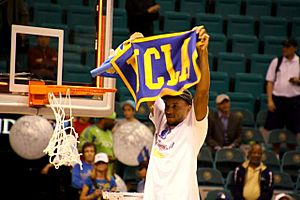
column 62, row 147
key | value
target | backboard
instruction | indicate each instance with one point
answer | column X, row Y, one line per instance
column 14, row 87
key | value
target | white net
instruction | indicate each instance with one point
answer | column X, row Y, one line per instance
column 62, row 147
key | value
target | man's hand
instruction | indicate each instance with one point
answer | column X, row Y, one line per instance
column 153, row 9
column 271, row 106
column 203, row 37
column 136, row 35
column 295, row 80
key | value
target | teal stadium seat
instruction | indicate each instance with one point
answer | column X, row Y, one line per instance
column 259, row 63
column 257, row 8
column 205, row 158
column 3, row 66
column 80, row 15
column 47, row 13
column 295, row 27
column 287, row 8
column 64, row 27
column 65, row 3
column 272, row 26
column 166, row 5
column 231, row 63
column 261, row 118
column 263, row 102
column 219, row 82
column 228, row 7
column 245, row 44
column 240, row 24
column 271, row 160
column 84, row 36
column 193, row 6
column 251, row 135
column 217, row 43
column 121, row 3
column 212, row 99
column 242, row 100
column 76, row 73
column 119, row 18
column 290, row 163
column 246, row 115
column 250, row 83
column 119, row 36
column 213, row 23
column 209, row 177
column 272, row 45
column 283, row 181
column 176, row 21
column 90, row 57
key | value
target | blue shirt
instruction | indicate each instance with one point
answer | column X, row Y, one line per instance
column 102, row 184
column 79, row 176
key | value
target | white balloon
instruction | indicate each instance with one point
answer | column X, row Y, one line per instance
column 29, row 136
column 121, row 186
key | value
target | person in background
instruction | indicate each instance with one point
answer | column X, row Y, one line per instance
column 100, row 134
column 80, row 123
column 283, row 92
column 42, row 59
column 224, row 127
column 79, row 175
column 99, row 180
column 128, row 108
column 142, row 172
column 140, row 16
column 252, row 179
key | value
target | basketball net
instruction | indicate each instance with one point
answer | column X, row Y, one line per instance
column 62, row 147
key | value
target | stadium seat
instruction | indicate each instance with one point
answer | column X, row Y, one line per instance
column 176, row 21
column 213, row 23
column 215, row 194
column 271, row 160
column 251, row 135
column 287, row 9
column 250, row 83
column 247, row 116
column 192, row 6
column 257, row 8
column 119, row 18
column 283, row 137
column 84, row 36
column 241, row 100
column 272, row 26
column 290, row 163
column 166, row 5
column 130, row 175
column 297, row 186
column 261, row 118
column 205, row 158
column 65, row 3
column 212, row 99
column 3, row 66
column 76, row 73
column 272, row 45
column 263, row 104
column 217, row 43
column 121, row 3
column 259, row 63
column 219, row 82
column 90, row 58
column 295, row 27
column 227, row 7
column 209, row 177
column 47, row 13
column 240, row 24
column 245, row 44
column 231, row 63
column 59, row 26
column 227, row 160
column 119, row 36
column 80, row 15
column 283, row 181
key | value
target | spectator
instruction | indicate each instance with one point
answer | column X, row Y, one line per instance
column 80, row 123
column 224, row 127
column 283, row 196
column 142, row 172
column 99, row 180
column 283, row 91
column 101, row 135
column 252, row 179
column 140, row 16
column 79, row 175
column 11, row 12
column 128, row 108
column 42, row 59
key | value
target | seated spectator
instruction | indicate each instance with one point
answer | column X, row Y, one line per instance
column 224, row 127
column 80, row 174
column 252, row 179
column 42, row 59
column 99, row 180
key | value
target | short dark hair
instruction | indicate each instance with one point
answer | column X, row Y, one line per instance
column 186, row 95
column 143, row 165
column 88, row 144
column 290, row 42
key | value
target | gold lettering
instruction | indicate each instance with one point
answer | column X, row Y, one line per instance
column 148, row 69
column 166, row 49
column 185, row 61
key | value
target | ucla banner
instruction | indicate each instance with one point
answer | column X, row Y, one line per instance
column 154, row 66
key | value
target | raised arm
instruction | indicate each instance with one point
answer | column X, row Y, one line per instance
column 202, row 88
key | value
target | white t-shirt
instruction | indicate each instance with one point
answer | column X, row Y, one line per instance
column 287, row 70
column 171, row 173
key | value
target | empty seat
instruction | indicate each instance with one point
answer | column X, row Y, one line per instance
column 85, row 36
column 192, row 6
column 273, row 45
column 240, row 24
column 213, row 23
column 251, row 83
column 119, row 18
column 65, row 3
column 119, row 36
column 246, row 115
column 166, row 5
column 59, row 26
column 242, row 100
column 245, row 44
column 272, row 26
column 217, row 43
column 261, row 118
column 227, row 7
column 231, row 63
column 47, row 13
column 295, row 27
column 209, row 177
column 80, row 15
column 259, row 63
column 282, row 181
column 176, row 21
column 76, row 73
column 205, row 158
column 271, row 160
column 257, row 8
column 212, row 99
column 90, row 57
column 219, row 82
column 291, row 163
column 287, row 8
column 251, row 135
